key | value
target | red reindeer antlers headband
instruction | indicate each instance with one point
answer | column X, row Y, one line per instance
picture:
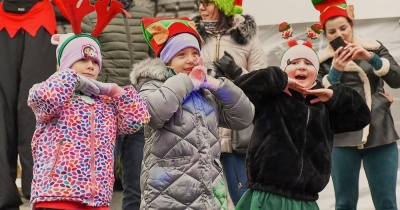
column 105, row 9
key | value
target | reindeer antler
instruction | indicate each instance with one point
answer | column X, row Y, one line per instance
column 77, row 9
column 105, row 13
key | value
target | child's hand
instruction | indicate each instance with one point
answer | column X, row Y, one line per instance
column 109, row 89
column 87, row 86
column 198, row 74
column 323, row 95
column 211, row 83
column 295, row 85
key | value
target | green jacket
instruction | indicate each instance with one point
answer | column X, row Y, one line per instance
column 118, row 56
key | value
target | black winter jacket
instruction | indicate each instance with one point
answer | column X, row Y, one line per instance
column 290, row 149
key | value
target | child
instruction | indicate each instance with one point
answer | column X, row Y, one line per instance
column 181, row 167
column 77, row 119
column 289, row 157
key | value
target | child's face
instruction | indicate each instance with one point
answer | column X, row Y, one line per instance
column 302, row 71
column 87, row 67
column 185, row 60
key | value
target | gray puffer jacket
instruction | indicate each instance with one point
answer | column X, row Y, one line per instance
column 122, row 43
column 181, row 168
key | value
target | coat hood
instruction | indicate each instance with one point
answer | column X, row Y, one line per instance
column 242, row 32
column 150, row 68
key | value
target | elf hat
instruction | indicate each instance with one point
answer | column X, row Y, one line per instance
column 160, row 31
column 75, row 46
column 330, row 8
column 229, row 7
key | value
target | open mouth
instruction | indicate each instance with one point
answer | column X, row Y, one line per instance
column 300, row 77
column 188, row 69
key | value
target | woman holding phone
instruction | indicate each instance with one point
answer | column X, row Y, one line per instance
column 365, row 65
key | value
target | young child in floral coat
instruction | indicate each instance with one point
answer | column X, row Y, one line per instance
column 77, row 120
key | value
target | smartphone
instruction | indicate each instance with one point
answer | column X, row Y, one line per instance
column 337, row 42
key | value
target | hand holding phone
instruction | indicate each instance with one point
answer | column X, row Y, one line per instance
column 337, row 42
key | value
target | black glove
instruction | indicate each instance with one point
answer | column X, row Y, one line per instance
column 227, row 65
column 219, row 73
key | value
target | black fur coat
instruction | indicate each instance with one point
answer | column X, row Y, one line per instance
column 290, row 149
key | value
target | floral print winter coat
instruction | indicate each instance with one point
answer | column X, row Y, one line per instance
column 74, row 140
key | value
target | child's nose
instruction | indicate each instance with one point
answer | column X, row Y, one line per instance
column 91, row 64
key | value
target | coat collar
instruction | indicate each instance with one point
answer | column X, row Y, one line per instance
column 150, row 68
column 242, row 32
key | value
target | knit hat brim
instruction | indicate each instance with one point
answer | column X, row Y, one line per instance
column 77, row 47
column 299, row 51
column 178, row 43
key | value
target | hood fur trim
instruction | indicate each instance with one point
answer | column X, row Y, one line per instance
column 368, row 44
column 244, row 30
column 153, row 68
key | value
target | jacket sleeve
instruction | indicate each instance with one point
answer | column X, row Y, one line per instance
column 236, row 110
column 262, row 83
column 163, row 100
column 348, row 109
column 47, row 98
column 390, row 70
column 131, row 110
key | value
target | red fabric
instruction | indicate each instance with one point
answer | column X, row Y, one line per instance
column 42, row 14
column 332, row 11
column 68, row 205
column 329, row 9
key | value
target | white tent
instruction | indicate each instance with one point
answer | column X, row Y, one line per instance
column 377, row 19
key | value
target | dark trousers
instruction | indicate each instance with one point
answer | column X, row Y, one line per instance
column 130, row 148
column 234, row 166
column 24, row 61
column 380, row 166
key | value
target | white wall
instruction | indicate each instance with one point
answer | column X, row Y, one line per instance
column 385, row 30
column 268, row 12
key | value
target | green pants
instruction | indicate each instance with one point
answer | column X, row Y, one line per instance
column 258, row 200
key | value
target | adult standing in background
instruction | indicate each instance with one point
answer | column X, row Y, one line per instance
column 26, row 57
column 231, row 42
column 365, row 65
column 123, row 45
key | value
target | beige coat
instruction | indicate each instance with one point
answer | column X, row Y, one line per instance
column 242, row 43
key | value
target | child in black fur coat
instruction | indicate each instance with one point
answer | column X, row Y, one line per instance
column 289, row 158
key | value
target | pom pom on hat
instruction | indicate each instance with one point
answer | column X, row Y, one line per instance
column 299, row 49
column 229, row 7
column 330, row 8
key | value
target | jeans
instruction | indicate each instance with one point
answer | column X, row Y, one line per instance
column 380, row 166
column 130, row 148
column 235, row 171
